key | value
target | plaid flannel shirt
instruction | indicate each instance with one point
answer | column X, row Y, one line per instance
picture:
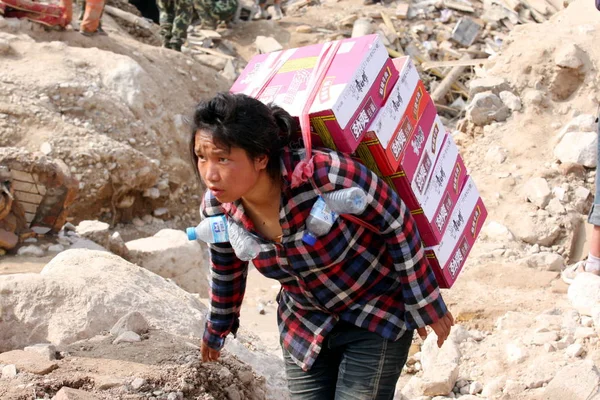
column 380, row 282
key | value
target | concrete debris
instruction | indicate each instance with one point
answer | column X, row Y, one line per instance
column 265, row 44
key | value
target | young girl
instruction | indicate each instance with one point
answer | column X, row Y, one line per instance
column 348, row 304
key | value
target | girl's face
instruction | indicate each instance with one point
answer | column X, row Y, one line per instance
column 228, row 174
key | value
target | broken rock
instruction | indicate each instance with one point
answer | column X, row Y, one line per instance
column 171, row 255
column 569, row 56
column 538, row 192
column 46, row 350
column 466, row 31
column 266, row 44
column 511, row 100
column 95, row 231
column 546, row 261
column 584, row 292
column 577, row 381
column 127, row 337
column 67, row 393
column 133, row 321
column 485, row 108
column 578, row 147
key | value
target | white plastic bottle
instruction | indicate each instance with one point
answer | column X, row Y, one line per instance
column 347, row 201
column 319, row 221
column 219, row 230
column 245, row 246
column 210, row 230
column 327, row 207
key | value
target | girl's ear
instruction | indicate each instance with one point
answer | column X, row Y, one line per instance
column 261, row 162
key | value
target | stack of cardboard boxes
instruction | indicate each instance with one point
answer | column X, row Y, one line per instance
column 378, row 110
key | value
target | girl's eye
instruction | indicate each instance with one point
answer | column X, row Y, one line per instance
column 223, row 160
column 200, row 157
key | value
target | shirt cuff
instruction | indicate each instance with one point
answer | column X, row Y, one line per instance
column 427, row 315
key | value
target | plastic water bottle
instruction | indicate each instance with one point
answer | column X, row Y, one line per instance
column 319, row 221
column 245, row 247
column 219, row 230
column 347, row 201
column 210, row 230
column 327, row 207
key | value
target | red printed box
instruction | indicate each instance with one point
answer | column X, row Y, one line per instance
column 448, row 258
column 390, row 132
column 433, row 209
column 355, row 86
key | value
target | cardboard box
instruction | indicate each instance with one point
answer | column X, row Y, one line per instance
column 388, row 135
column 355, row 86
column 432, row 209
column 448, row 258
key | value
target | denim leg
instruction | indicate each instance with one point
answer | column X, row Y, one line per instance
column 594, row 215
column 370, row 365
column 316, row 384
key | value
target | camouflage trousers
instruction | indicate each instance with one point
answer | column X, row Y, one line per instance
column 175, row 17
column 214, row 11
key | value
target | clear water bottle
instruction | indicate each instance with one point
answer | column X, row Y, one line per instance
column 210, row 230
column 219, row 230
column 347, row 201
column 245, row 246
column 319, row 221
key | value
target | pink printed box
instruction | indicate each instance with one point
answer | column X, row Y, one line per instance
column 448, row 258
column 355, row 87
column 432, row 210
column 406, row 102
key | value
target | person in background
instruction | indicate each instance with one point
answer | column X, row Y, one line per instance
column 175, row 17
column 212, row 12
column 351, row 299
column 90, row 16
column 592, row 263
column 262, row 10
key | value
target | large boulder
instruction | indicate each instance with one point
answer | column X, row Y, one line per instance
column 81, row 293
column 171, row 255
column 577, row 381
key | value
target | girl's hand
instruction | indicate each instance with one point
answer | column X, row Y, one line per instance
column 441, row 328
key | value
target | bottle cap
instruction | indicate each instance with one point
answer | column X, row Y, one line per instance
column 309, row 239
column 191, row 233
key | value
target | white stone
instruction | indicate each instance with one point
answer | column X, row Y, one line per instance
column 152, row 193
column 127, row 337
column 160, row 211
column 538, row 191
column 171, row 255
column 546, row 261
column 106, row 287
column 585, row 333
column 542, row 338
column 137, row 383
column 31, row 250
column 9, row 371
column 46, row 148
column 555, row 207
column 492, row 84
column 493, row 388
column 515, row 353
column 568, row 56
column 496, row 155
column 96, row 231
column 532, row 230
column 133, row 321
column 584, row 292
column 574, row 350
column 510, row 100
column 581, row 123
column 576, row 381
column 514, row 388
column 266, row 44
column 496, row 231
column 559, row 193
column 45, row 349
column 441, row 381
column 578, row 148
column 550, row 347
column 56, row 248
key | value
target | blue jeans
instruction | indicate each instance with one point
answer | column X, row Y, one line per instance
column 354, row 364
column 594, row 215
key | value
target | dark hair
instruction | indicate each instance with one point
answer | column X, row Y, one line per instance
column 238, row 120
